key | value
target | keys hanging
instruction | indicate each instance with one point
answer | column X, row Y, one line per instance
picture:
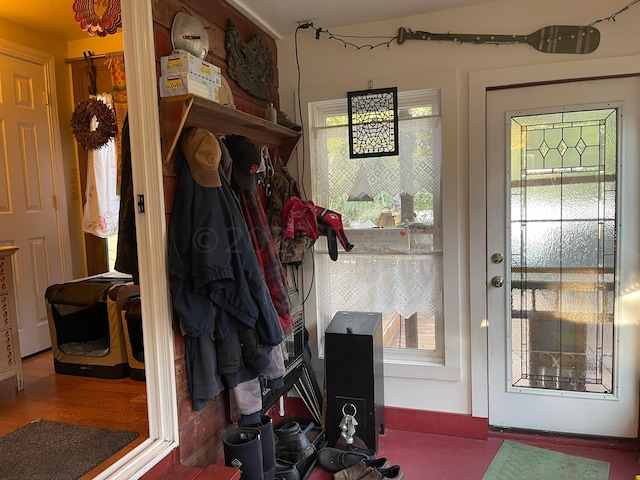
column 348, row 423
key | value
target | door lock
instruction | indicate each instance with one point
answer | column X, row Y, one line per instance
column 497, row 258
column 497, row 281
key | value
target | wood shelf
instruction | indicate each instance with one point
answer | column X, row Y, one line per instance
column 182, row 111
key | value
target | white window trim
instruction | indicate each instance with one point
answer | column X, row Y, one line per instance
column 455, row 285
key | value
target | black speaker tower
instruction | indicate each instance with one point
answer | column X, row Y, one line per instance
column 354, row 375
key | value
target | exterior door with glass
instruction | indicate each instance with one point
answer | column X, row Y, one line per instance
column 563, row 263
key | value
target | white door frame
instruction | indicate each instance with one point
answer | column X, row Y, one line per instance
column 144, row 127
column 615, row 413
column 479, row 83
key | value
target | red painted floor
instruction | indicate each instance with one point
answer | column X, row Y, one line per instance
column 436, row 457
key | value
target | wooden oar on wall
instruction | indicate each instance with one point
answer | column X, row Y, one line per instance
column 551, row 39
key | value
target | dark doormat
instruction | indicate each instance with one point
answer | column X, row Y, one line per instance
column 50, row 450
column 524, row 462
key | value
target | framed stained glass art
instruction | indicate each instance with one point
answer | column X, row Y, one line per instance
column 373, row 122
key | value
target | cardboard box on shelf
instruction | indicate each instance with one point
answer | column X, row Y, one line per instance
column 184, row 83
column 181, row 61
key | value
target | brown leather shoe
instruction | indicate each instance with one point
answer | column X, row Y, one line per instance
column 372, row 473
column 356, row 471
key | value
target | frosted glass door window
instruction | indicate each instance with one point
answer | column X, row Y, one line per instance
column 563, row 250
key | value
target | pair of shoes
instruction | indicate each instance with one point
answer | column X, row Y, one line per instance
column 392, row 473
column 335, row 459
column 292, row 445
column 356, row 471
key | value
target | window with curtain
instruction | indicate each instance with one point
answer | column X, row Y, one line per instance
column 391, row 210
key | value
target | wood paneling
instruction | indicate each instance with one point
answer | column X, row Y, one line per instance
column 201, row 431
column 214, row 16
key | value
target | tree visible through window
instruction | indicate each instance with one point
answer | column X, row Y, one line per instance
column 391, row 209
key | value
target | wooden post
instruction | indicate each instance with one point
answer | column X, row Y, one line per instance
column 411, row 331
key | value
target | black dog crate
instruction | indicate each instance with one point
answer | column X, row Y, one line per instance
column 86, row 327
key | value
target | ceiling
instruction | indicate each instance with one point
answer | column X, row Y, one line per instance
column 282, row 17
column 277, row 17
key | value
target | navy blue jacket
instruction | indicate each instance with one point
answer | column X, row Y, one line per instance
column 217, row 287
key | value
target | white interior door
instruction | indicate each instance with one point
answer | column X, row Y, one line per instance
column 28, row 217
column 562, row 194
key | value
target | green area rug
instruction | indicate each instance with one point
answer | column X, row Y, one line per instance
column 45, row 450
column 522, row 462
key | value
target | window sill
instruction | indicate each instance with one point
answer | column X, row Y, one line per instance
column 424, row 370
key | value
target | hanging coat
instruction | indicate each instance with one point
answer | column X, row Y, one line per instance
column 217, row 288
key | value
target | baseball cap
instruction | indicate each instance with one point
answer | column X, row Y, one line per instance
column 202, row 150
column 245, row 159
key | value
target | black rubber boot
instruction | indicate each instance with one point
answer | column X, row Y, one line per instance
column 268, row 447
column 243, row 450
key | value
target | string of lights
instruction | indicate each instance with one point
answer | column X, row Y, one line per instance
column 612, row 17
column 386, row 41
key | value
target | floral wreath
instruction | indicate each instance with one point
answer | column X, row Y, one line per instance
column 81, row 118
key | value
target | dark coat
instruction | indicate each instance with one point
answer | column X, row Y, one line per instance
column 218, row 290
column 127, row 249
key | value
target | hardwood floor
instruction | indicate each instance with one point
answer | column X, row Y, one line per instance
column 108, row 403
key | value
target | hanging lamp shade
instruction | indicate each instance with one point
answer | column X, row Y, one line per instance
column 98, row 17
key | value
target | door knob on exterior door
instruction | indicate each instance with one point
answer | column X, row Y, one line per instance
column 497, row 281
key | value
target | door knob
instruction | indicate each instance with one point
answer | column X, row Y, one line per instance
column 497, row 281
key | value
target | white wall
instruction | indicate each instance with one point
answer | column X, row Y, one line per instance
column 328, row 70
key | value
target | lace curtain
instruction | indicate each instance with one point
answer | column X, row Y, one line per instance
column 403, row 284
column 403, row 277
column 416, row 168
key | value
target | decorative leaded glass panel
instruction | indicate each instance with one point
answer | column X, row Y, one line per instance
column 563, row 247
column 373, row 123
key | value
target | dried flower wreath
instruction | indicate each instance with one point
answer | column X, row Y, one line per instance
column 81, row 118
